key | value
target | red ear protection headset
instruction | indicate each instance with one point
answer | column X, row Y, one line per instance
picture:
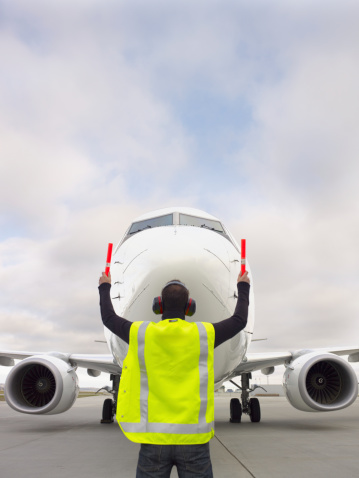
column 157, row 305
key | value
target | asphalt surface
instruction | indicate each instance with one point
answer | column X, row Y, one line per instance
column 286, row 443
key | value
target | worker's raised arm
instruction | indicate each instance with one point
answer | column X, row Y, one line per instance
column 118, row 325
column 228, row 328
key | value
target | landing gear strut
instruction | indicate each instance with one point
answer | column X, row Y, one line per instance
column 249, row 406
column 110, row 405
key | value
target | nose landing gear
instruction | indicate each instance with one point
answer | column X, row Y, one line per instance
column 110, row 405
column 249, row 406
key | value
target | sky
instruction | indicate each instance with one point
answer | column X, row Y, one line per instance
column 245, row 109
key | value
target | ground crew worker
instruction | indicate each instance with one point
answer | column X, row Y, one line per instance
column 166, row 399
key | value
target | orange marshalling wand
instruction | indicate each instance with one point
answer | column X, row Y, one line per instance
column 243, row 256
column 108, row 260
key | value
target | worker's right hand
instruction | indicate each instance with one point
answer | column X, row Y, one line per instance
column 243, row 277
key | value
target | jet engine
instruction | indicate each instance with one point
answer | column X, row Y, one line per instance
column 320, row 383
column 41, row 385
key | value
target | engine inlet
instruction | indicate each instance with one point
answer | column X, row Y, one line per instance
column 323, row 383
column 38, row 385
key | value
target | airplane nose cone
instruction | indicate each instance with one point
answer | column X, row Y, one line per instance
column 197, row 257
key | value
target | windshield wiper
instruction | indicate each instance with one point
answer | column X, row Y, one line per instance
column 139, row 230
column 211, row 228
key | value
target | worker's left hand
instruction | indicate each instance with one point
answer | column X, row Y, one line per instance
column 104, row 278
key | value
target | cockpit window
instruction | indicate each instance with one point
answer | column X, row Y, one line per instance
column 186, row 220
column 152, row 222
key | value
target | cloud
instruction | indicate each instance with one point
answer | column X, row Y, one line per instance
column 78, row 125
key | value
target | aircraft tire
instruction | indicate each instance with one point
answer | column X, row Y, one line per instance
column 255, row 410
column 107, row 411
column 235, row 411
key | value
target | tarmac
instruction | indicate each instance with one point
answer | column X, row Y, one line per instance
column 286, row 443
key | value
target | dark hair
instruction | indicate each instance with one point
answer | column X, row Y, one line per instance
column 175, row 297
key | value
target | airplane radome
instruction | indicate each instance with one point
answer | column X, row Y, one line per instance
column 196, row 248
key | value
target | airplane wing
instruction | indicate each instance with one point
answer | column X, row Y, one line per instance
column 260, row 361
column 252, row 362
column 103, row 363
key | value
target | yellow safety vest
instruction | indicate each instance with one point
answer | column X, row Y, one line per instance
column 166, row 394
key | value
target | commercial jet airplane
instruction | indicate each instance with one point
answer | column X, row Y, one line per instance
column 196, row 248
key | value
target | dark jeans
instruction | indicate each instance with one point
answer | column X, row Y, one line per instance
column 192, row 461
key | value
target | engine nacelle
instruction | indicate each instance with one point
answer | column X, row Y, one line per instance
column 41, row 385
column 320, row 383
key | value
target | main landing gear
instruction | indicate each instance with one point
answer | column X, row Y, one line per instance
column 110, row 405
column 250, row 406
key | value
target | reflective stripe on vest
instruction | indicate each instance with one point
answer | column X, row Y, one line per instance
column 202, row 430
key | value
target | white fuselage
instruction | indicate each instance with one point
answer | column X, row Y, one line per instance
column 207, row 262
